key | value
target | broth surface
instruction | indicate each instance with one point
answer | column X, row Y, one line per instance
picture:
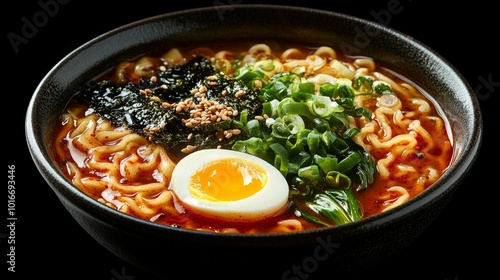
column 130, row 171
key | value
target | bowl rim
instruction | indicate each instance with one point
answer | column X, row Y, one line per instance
column 65, row 190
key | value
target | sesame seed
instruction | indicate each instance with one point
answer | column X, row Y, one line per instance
column 239, row 94
column 188, row 149
column 155, row 98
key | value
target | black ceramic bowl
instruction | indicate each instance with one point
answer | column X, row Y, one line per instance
column 335, row 250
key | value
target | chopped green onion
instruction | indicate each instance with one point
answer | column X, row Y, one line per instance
column 310, row 173
column 338, row 180
column 321, row 106
column 328, row 163
column 308, row 138
column 334, row 142
column 349, row 162
column 253, row 128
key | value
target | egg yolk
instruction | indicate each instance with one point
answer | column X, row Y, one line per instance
column 227, row 179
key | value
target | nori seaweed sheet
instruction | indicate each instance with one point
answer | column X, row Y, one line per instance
column 126, row 104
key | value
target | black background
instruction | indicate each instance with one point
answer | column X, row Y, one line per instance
column 461, row 244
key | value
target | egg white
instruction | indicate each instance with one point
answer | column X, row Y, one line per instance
column 271, row 200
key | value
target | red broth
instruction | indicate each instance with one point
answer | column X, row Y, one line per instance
column 407, row 137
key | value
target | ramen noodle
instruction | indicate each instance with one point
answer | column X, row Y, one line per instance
column 128, row 171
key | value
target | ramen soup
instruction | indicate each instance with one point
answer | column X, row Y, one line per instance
column 252, row 138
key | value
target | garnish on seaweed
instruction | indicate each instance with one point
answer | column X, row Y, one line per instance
column 189, row 106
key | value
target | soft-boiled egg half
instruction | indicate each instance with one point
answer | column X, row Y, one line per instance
column 229, row 185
